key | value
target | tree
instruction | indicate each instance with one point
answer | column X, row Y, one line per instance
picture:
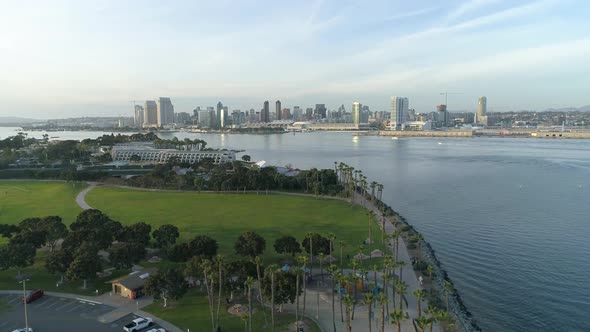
column 17, row 254
column 422, row 322
column 179, row 252
column 383, row 302
column 85, row 263
column 167, row 284
column 220, row 265
column 368, row 299
column 203, row 245
column 348, row 301
column 397, row 317
column 287, row 245
column 124, row 255
column 333, row 270
column 250, row 244
column 54, row 229
column 95, row 227
column 249, row 283
column 401, row 287
column 58, row 261
column 166, row 235
column 7, row 230
column 319, row 244
column 285, row 286
column 303, row 261
column 448, row 286
column 419, row 294
column 138, row 233
column 32, row 237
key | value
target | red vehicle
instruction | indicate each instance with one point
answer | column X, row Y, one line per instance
column 33, row 295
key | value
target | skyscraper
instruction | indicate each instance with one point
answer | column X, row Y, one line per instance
column 265, row 114
column 320, row 111
column 278, row 110
column 356, row 112
column 399, row 108
column 217, row 124
column 150, row 113
column 481, row 108
column 165, row 111
column 138, row 116
column 443, row 115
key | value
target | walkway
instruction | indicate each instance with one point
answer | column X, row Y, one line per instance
column 80, row 199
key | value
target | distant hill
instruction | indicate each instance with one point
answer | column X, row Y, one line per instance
column 570, row 109
column 12, row 120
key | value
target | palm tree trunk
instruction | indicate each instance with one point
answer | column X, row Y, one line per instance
column 333, row 304
column 297, row 299
column 348, row 327
column 210, row 298
column 249, row 308
column 304, row 291
column 272, row 300
column 369, row 318
column 383, row 318
column 219, row 296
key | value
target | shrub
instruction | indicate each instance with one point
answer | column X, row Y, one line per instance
column 411, row 246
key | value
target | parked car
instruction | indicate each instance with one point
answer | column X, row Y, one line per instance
column 30, row 329
column 138, row 324
column 33, row 295
column 157, row 330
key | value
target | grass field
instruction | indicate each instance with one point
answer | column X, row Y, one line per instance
column 192, row 312
column 225, row 216
column 25, row 199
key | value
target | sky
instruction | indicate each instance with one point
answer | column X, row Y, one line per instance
column 95, row 58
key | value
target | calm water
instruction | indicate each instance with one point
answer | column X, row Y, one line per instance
column 508, row 218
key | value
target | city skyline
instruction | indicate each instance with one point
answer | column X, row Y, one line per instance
column 513, row 52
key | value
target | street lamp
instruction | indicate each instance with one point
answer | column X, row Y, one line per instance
column 24, row 282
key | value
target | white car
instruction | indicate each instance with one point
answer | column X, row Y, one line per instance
column 30, row 329
column 157, row 330
column 138, row 324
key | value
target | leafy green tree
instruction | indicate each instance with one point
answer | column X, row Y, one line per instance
column 95, row 227
column 319, row 244
column 34, row 238
column 250, row 244
column 179, row 252
column 7, row 230
column 58, row 261
column 397, row 317
column 166, row 235
column 17, row 254
column 167, row 284
column 287, row 244
column 54, row 229
column 85, row 264
column 203, row 245
column 135, row 158
column 138, row 233
column 124, row 255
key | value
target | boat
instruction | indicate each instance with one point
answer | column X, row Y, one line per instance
column 394, row 137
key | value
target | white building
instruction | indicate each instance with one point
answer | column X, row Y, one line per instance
column 138, row 116
column 482, row 105
column 148, row 153
column 165, row 111
column 399, row 109
column 356, row 113
column 150, row 114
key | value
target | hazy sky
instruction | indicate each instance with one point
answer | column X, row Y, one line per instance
column 73, row 58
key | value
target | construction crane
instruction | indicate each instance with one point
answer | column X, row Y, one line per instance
column 446, row 94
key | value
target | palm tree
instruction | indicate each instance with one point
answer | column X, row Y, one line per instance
column 341, row 284
column 434, row 313
column 446, row 319
column 297, row 276
column 219, row 260
column 354, row 280
column 429, row 271
column 272, row 270
column 396, row 235
column 419, row 237
column 419, row 294
column 401, row 287
column 331, row 237
column 248, row 283
column 303, row 261
column 310, row 237
column 422, row 323
column 207, row 268
column 333, row 270
column 258, row 262
column 370, row 215
column 348, row 301
column 321, row 258
column 368, row 300
column 448, row 286
column 397, row 317
column 342, row 244
column 373, row 185
column 245, row 319
column 383, row 301
column 401, row 265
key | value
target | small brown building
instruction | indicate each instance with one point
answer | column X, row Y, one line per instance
column 131, row 285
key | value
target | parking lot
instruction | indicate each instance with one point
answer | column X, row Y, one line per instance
column 58, row 314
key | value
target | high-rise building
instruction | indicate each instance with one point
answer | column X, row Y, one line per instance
column 278, row 109
column 308, row 113
column 182, row 118
column 138, row 116
column 443, row 115
column 219, row 110
column 165, row 111
column 399, row 108
column 297, row 113
column 286, row 114
column 320, row 111
column 481, row 108
column 356, row 113
column 150, row 113
column 204, row 119
column 265, row 113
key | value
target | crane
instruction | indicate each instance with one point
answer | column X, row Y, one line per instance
column 446, row 94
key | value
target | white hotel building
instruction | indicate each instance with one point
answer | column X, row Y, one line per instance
column 148, row 153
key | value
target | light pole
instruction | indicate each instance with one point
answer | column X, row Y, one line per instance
column 24, row 282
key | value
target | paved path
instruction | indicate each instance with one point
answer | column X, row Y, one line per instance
column 80, row 199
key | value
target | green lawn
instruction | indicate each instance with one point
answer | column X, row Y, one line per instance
column 225, row 216
column 192, row 312
column 26, row 199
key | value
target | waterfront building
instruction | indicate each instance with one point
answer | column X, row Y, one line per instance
column 278, row 110
column 205, row 119
column 165, row 111
column 265, row 112
column 308, row 113
column 182, row 117
column 286, row 114
column 148, row 153
column 138, row 116
column 150, row 113
column 297, row 113
column 356, row 112
column 443, row 115
column 320, row 111
column 399, row 109
column 217, row 117
column 222, row 119
column 481, row 108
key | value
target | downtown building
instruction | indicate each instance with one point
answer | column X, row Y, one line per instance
column 356, row 113
column 265, row 112
column 481, row 115
column 138, row 116
column 165, row 111
column 278, row 110
column 150, row 114
column 399, row 109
